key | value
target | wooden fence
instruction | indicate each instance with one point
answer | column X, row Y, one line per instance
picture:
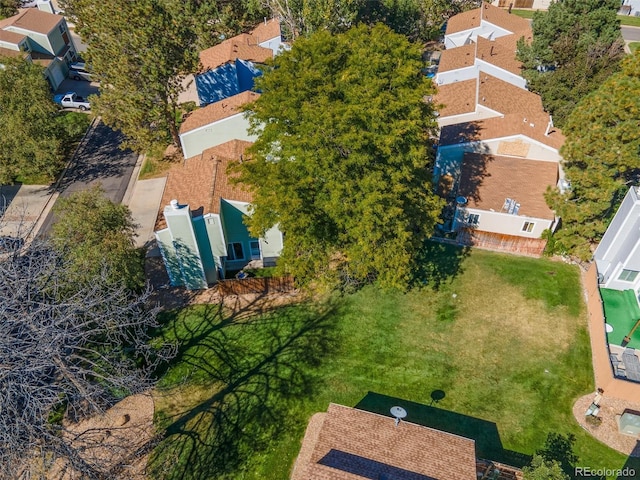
column 255, row 285
column 502, row 243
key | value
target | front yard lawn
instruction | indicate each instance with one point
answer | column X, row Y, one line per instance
column 501, row 341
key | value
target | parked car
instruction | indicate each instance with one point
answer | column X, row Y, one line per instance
column 72, row 100
column 80, row 71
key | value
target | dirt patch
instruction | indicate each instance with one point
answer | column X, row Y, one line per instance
column 120, row 439
column 607, row 432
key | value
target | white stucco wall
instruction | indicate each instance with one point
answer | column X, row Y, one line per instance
column 480, row 114
column 457, row 75
column 196, row 141
column 503, row 223
column 485, row 30
column 619, row 248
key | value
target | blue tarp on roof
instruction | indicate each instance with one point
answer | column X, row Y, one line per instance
column 225, row 81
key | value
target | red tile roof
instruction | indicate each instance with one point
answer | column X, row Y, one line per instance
column 217, row 111
column 201, row 181
column 487, row 180
column 350, row 444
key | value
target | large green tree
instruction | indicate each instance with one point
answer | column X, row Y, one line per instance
column 92, row 233
column 9, row 7
column 139, row 50
column 31, row 141
column 576, row 45
column 344, row 158
column 601, row 159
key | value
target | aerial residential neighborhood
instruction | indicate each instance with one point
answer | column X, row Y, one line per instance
column 326, row 240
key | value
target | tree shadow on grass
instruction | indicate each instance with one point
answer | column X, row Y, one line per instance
column 249, row 374
column 485, row 433
column 438, row 263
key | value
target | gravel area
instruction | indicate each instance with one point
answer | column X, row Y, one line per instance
column 607, row 431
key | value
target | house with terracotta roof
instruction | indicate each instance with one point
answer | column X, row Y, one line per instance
column 216, row 124
column 230, row 67
column 483, row 41
column 350, row 444
column 200, row 230
column 39, row 37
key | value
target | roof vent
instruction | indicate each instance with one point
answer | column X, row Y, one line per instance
column 174, row 204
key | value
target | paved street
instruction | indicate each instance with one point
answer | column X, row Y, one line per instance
column 100, row 161
column 631, row 34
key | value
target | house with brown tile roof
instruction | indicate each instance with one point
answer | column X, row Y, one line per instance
column 486, row 112
column 44, row 37
column 485, row 97
column 494, row 57
column 349, row 444
column 230, row 67
column 503, row 195
column 216, row 124
column 200, row 230
column 488, row 22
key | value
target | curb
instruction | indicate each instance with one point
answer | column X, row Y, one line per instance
column 126, row 199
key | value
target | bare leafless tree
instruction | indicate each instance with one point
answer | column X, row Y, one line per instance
column 65, row 350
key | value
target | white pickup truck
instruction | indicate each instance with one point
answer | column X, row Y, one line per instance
column 72, row 100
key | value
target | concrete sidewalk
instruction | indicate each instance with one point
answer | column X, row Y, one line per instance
column 144, row 203
column 26, row 206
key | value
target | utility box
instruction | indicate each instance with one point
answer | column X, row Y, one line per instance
column 629, row 423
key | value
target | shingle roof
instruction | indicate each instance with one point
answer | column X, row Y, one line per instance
column 504, row 19
column 354, row 444
column 11, row 37
column 487, row 180
column 33, row 20
column 217, row 111
column 201, row 181
column 7, row 52
column 456, row 98
column 493, row 93
column 455, row 58
column 243, row 46
column 267, row 30
column 489, row 13
column 499, row 127
column 500, row 52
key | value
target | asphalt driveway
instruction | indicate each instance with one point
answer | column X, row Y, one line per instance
column 100, row 160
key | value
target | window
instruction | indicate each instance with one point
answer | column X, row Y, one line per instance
column 473, row 219
column 234, row 251
column 61, row 27
column 254, row 245
column 628, row 275
column 528, row 227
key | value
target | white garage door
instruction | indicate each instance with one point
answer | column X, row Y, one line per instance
column 56, row 75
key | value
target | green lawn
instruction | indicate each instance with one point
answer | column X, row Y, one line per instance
column 628, row 20
column 499, row 340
